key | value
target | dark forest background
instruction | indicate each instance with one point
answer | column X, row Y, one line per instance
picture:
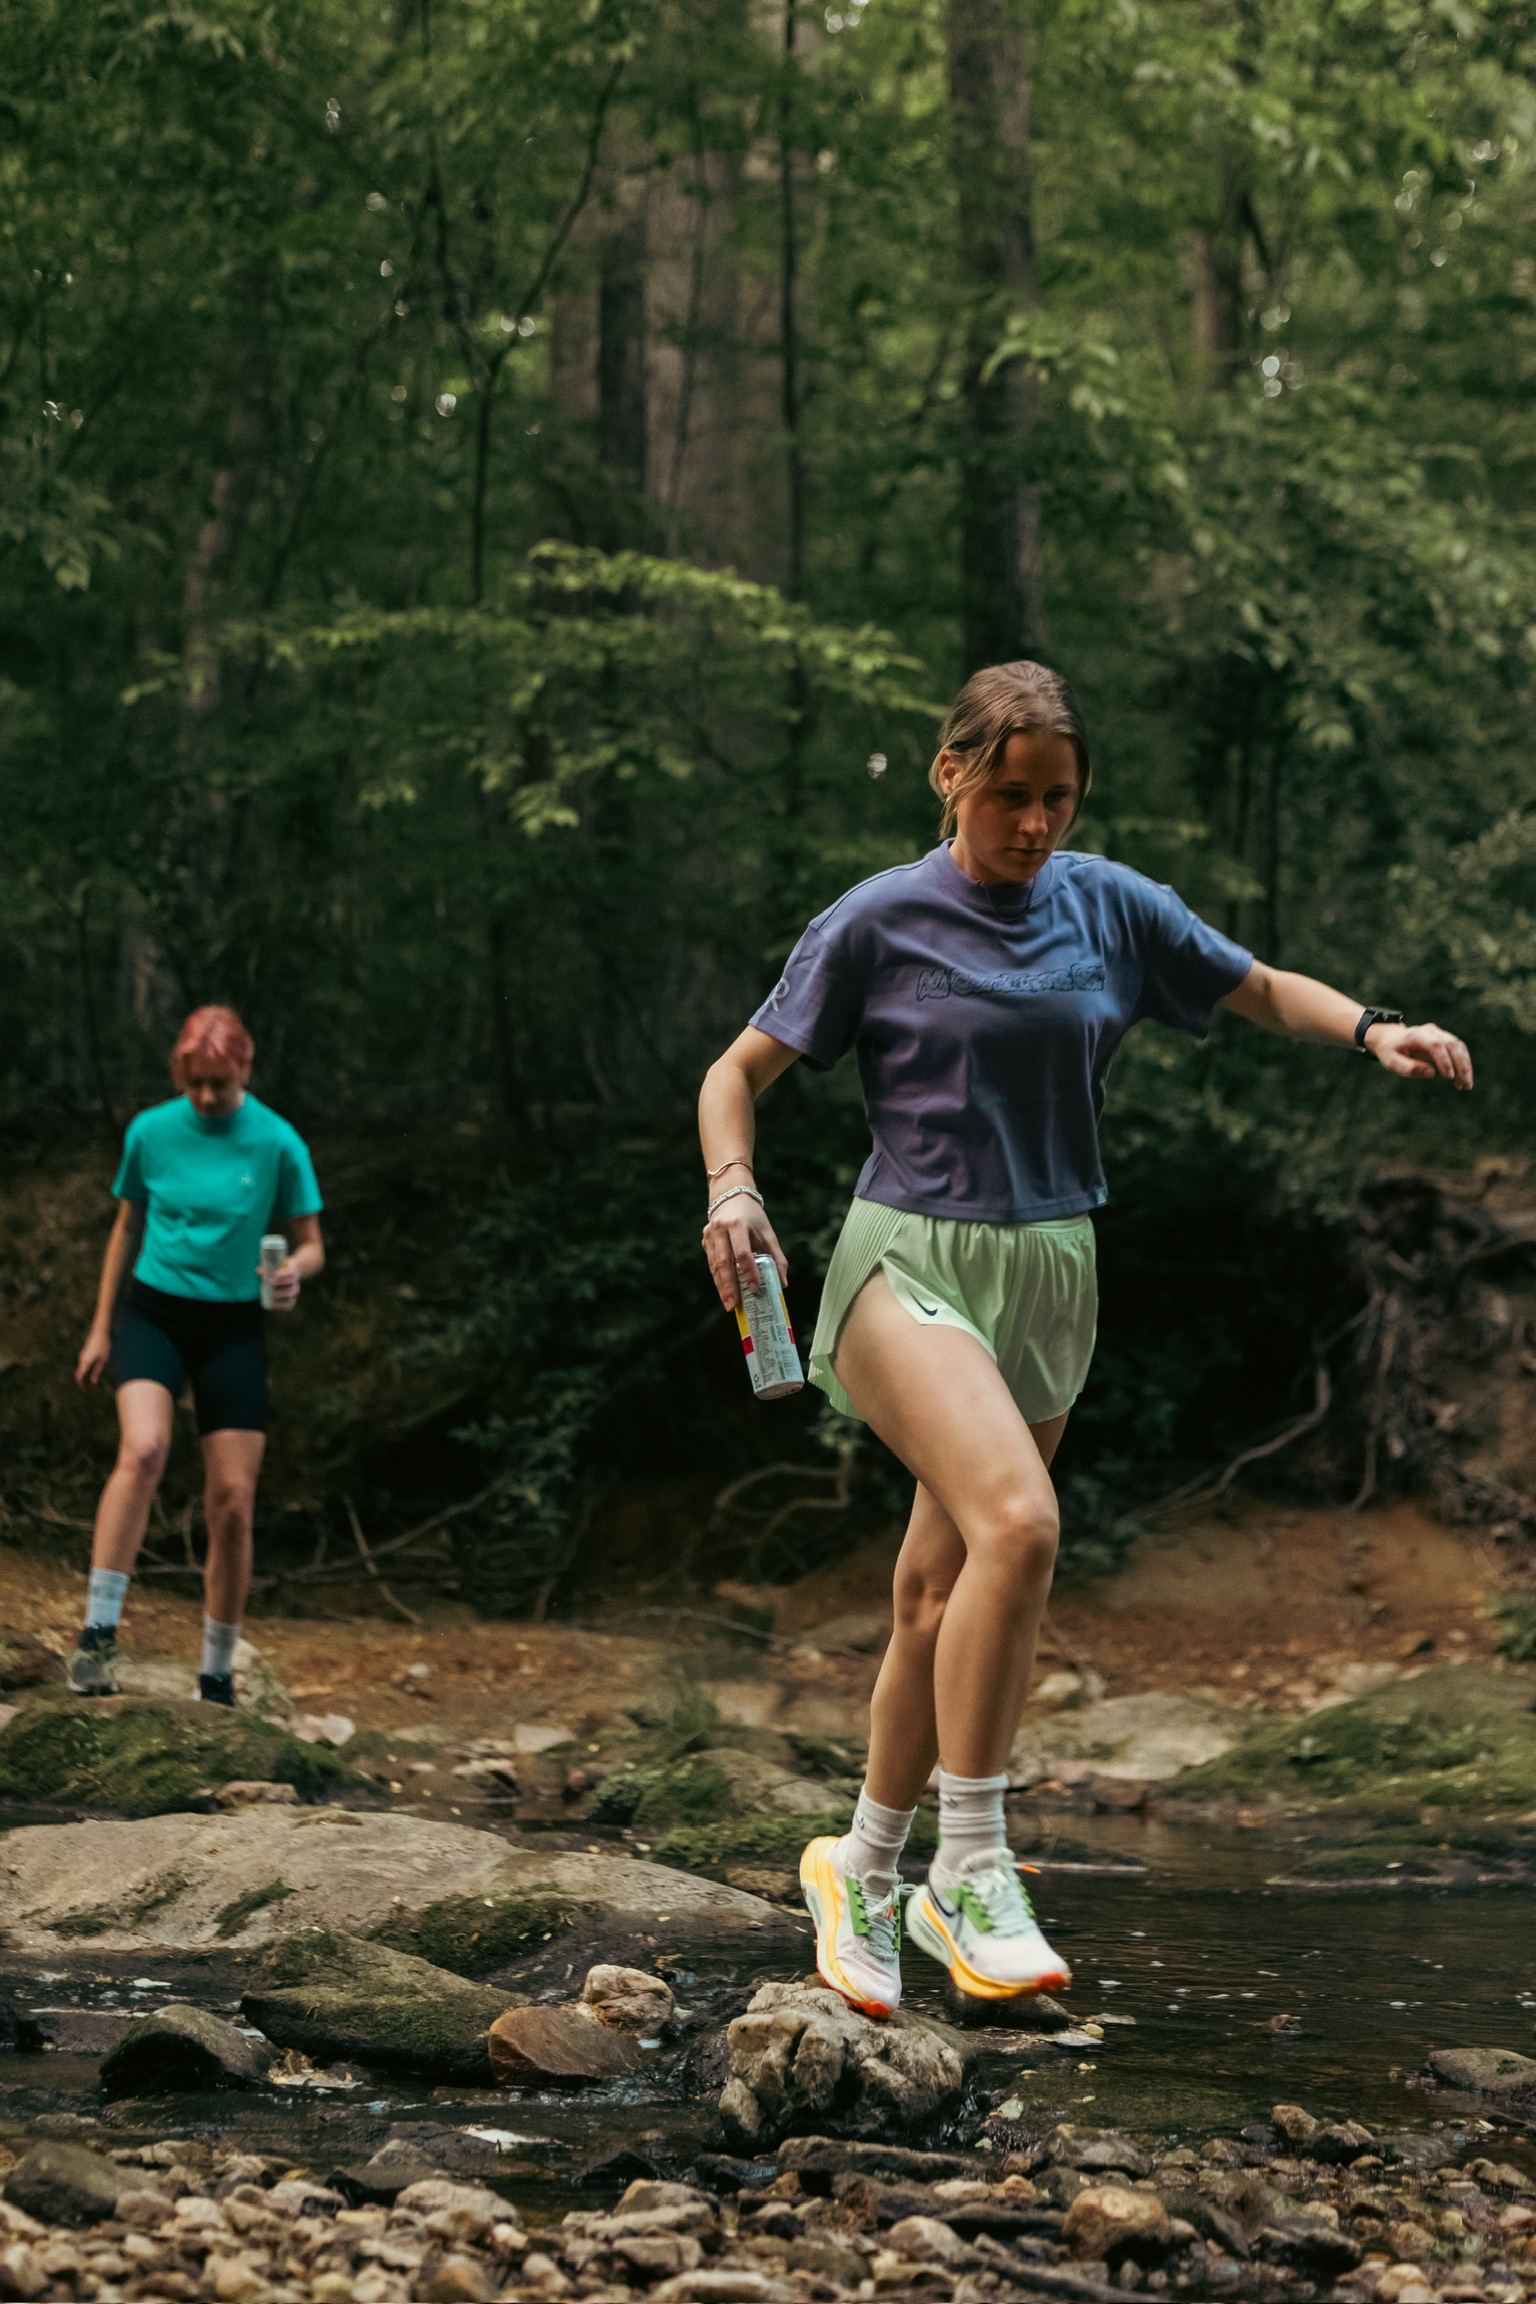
column 482, row 479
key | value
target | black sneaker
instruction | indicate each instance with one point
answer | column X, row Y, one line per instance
column 92, row 1668
column 217, row 1688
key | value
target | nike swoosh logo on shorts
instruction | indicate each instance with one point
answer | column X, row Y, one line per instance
column 932, row 1310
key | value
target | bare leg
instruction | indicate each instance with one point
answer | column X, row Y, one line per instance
column 975, row 1569
column 145, row 1414
column 231, row 1468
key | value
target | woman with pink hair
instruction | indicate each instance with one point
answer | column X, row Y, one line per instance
column 207, row 1173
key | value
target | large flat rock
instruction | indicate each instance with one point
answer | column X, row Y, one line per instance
column 1144, row 1738
column 240, row 1880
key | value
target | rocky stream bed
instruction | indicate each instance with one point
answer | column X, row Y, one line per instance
column 289, row 2013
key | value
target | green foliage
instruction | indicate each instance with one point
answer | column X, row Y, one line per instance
column 150, row 1759
column 1516, row 1617
column 355, row 672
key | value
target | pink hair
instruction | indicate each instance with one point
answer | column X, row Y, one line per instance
column 217, row 1036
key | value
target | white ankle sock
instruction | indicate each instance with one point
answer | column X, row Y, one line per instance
column 872, row 1847
column 219, row 1642
column 104, row 1597
column 970, row 1820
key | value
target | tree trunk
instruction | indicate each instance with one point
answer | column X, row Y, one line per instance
column 622, row 401
column 1002, row 578
column 1220, row 314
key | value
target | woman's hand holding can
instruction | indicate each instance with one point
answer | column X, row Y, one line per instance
column 732, row 1237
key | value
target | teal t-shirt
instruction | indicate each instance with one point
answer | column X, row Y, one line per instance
column 209, row 1189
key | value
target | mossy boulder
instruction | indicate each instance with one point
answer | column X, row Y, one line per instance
column 1457, row 1737
column 150, row 1759
column 331, row 1995
column 1447, row 1853
column 713, row 1787
column 472, row 1935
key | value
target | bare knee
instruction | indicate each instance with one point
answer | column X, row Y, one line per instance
column 143, row 1461
column 229, row 1511
column 920, row 1596
column 1018, row 1539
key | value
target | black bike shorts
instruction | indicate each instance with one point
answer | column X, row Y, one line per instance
column 221, row 1348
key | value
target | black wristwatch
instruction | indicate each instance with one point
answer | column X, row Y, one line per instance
column 1370, row 1016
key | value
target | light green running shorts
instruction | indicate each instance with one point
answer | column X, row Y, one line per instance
column 1028, row 1293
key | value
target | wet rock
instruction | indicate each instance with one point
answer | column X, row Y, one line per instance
column 720, row 2172
column 801, row 2056
column 1112, row 2222
column 252, row 1793
column 19, row 2032
column 1142, row 1738
column 557, row 2048
column 819, row 2160
column 1488, row 2071
column 626, row 2165
column 1411, row 2148
column 470, row 2211
column 736, row 2286
column 391, row 2171
column 1309, row 2245
column 1092, row 2149
column 1213, row 2223
column 1294, row 2123
column 182, row 2048
column 66, row 2184
column 924, row 2240
column 330, row 1995
column 629, row 2000
column 451, row 2151
column 25, row 1662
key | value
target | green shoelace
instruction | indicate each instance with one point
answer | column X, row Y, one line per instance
column 882, row 1928
column 987, row 1922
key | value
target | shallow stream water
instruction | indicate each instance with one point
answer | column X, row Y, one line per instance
column 1197, row 1949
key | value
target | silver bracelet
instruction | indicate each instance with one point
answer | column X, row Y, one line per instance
column 736, row 1192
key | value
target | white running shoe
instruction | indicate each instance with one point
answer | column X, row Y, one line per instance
column 858, row 1936
column 982, row 1928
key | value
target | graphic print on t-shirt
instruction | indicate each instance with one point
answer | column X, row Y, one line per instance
column 940, row 983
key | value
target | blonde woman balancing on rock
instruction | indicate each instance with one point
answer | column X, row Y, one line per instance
column 985, row 990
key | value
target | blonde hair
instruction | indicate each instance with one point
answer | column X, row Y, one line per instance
column 999, row 701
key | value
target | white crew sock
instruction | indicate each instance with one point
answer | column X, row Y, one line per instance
column 104, row 1597
column 970, row 1821
column 871, row 1848
column 219, row 1642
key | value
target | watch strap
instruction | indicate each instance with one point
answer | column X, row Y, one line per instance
column 1370, row 1016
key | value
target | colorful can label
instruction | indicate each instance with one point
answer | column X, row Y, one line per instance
column 767, row 1339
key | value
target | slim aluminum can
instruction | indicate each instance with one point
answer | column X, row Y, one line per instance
column 773, row 1362
column 274, row 1253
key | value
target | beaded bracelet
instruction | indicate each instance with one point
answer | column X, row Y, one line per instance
column 736, row 1192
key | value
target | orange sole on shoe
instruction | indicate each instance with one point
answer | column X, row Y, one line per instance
column 824, row 1893
column 924, row 1923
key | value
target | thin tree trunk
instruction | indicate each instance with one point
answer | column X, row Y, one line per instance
column 1002, row 575
column 1220, row 311
column 790, row 394
column 622, row 399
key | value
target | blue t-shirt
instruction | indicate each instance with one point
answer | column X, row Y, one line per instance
column 986, row 1019
column 209, row 1189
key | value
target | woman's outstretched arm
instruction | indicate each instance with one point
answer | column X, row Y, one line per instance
column 1306, row 1010
column 727, row 1132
